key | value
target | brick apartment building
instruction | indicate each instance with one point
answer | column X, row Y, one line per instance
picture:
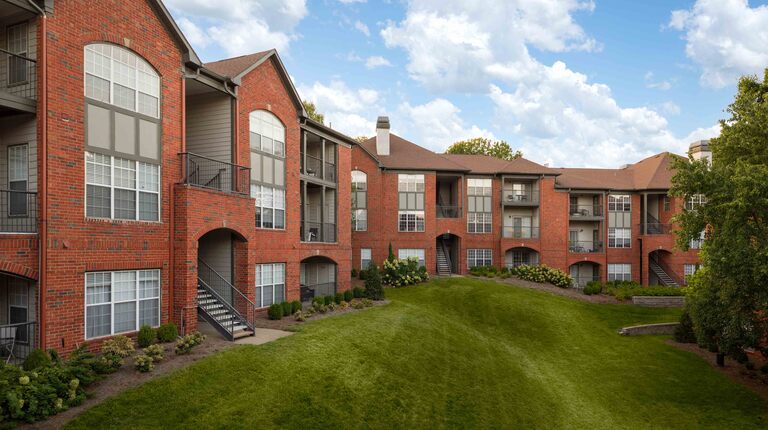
column 140, row 185
column 453, row 212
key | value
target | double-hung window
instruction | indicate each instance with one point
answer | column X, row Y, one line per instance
column 270, row 284
column 619, row 221
column 479, row 257
column 365, row 258
column 17, row 43
column 619, row 272
column 410, row 203
column 404, row 254
column 270, row 206
column 619, row 203
column 359, row 201
column 479, row 207
column 619, row 237
column 18, row 178
column 267, row 142
column 120, row 302
column 120, row 188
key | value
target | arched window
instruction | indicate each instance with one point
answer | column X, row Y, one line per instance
column 267, row 141
column 119, row 77
column 359, row 201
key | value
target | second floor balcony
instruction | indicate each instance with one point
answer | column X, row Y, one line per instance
column 520, row 197
column 18, row 211
column 318, row 168
column 585, row 246
column 18, row 83
column 443, row 211
column 520, row 232
column 207, row 173
column 585, row 212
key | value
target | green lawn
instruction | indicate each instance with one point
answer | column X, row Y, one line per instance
column 456, row 353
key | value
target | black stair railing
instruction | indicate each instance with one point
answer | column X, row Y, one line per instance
column 231, row 297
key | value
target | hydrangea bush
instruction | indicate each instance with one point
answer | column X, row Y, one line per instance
column 400, row 273
column 542, row 274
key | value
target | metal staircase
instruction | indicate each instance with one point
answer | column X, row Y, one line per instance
column 222, row 305
column 443, row 260
column 661, row 274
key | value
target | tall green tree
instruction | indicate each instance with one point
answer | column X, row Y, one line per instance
column 484, row 146
column 312, row 112
column 728, row 302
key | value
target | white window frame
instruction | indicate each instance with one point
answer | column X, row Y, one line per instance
column 277, row 196
column 137, row 187
column 414, row 221
column 405, row 253
column 619, row 203
column 22, row 31
column 619, row 237
column 690, row 269
column 360, row 215
column 477, row 255
column 137, row 299
column 696, row 243
column 619, row 272
column 145, row 80
column 18, row 173
column 266, row 125
column 259, row 287
column 695, row 201
column 479, row 222
column 365, row 252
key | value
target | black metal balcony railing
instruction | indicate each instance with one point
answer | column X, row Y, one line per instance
column 586, row 211
column 204, row 172
column 318, row 232
column 20, row 76
column 316, row 167
column 518, row 197
column 512, row 232
column 308, row 292
column 448, row 211
column 17, row 341
column 18, row 211
column 585, row 246
column 653, row 228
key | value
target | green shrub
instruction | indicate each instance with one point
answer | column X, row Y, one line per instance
column 504, row 270
column 348, row 296
column 358, row 292
column 287, row 308
column 318, row 300
column 146, row 336
column 295, row 306
column 186, row 343
column 593, row 287
column 332, row 306
column 327, row 300
column 300, row 316
column 156, row 352
column 505, row 275
column 338, row 298
column 143, row 363
column 684, row 331
column 367, row 303
column 373, row 286
column 121, row 346
column 36, row 359
column 625, row 290
column 542, row 274
column 343, row 305
column 399, row 273
column 353, row 273
column 363, row 274
column 275, row 311
column 358, row 304
column 167, row 333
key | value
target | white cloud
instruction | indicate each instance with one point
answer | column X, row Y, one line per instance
column 377, row 61
column 651, row 83
column 434, row 125
column 240, row 26
column 351, row 1
column 670, row 108
column 726, row 38
column 361, row 27
column 351, row 111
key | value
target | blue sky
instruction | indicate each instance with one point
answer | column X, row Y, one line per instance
column 570, row 82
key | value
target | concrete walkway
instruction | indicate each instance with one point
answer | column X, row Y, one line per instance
column 263, row 335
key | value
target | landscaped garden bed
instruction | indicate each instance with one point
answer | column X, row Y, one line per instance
column 626, row 290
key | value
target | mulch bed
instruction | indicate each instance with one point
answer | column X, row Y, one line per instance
column 572, row 293
column 290, row 324
column 128, row 377
column 752, row 379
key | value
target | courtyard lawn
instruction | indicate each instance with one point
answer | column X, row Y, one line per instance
column 455, row 353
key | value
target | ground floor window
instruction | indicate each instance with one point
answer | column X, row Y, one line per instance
column 690, row 269
column 120, row 302
column 270, row 284
column 408, row 253
column 619, row 272
column 479, row 257
column 365, row 258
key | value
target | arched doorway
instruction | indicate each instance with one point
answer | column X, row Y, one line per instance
column 18, row 317
column 660, row 271
column 447, row 253
column 584, row 272
column 217, row 255
column 521, row 256
column 318, row 277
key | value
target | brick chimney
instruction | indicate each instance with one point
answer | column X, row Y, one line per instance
column 382, row 135
column 700, row 149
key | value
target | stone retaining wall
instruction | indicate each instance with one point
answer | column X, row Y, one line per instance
column 659, row 301
column 662, row 328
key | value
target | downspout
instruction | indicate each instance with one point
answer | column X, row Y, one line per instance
column 43, row 156
column 172, row 200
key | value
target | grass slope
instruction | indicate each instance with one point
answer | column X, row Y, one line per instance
column 456, row 353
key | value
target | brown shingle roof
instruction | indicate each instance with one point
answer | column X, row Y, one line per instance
column 232, row 67
column 484, row 164
column 647, row 174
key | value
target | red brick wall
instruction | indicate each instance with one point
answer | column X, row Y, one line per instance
column 75, row 244
column 19, row 254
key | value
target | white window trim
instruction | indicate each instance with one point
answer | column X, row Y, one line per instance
column 360, row 177
column 257, row 123
column 257, row 287
column 416, row 215
column 419, row 253
column 624, row 201
column 624, row 271
column 112, row 302
column 625, row 238
column 362, row 260
column 472, row 257
column 112, row 187
column 258, row 199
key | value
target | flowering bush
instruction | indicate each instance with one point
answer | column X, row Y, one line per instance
column 399, row 273
column 143, row 363
column 121, row 346
column 156, row 352
column 542, row 274
column 186, row 343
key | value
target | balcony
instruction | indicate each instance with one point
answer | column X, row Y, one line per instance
column 526, row 197
column 448, row 211
column 317, row 168
column 318, row 232
column 585, row 212
column 519, row 232
column 585, row 246
column 210, row 174
column 656, row 228
column 18, row 88
column 18, row 211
